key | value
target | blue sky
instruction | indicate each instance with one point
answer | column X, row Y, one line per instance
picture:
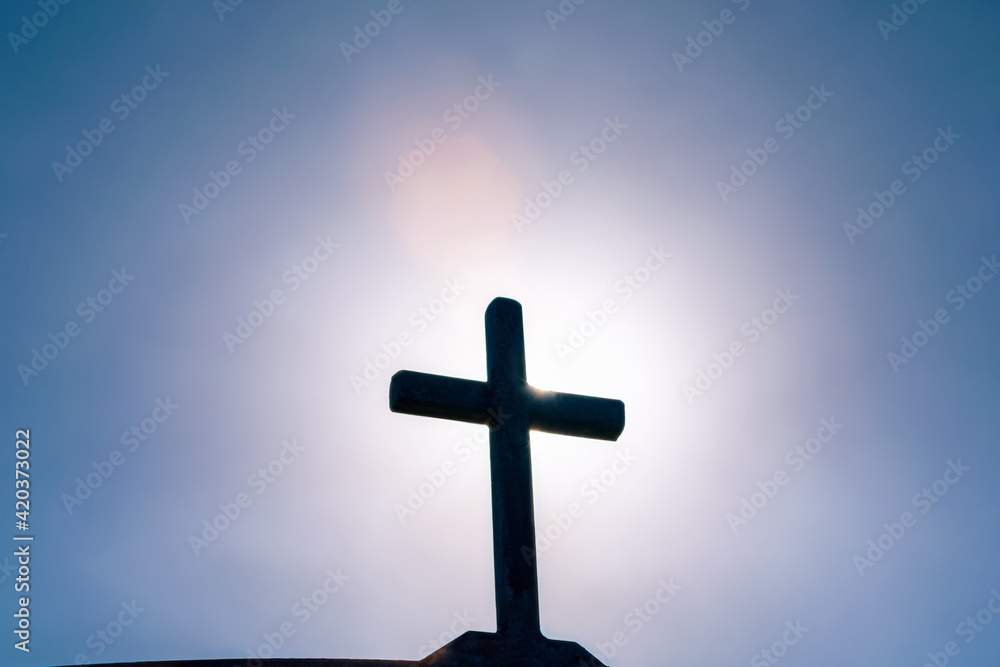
column 768, row 228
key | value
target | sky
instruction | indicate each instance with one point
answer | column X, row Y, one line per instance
column 767, row 228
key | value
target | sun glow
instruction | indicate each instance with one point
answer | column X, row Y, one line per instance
column 457, row 204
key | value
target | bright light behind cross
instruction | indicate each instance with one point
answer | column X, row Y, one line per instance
column 456, row 204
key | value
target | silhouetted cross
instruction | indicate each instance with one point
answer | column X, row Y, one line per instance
column 510, row 408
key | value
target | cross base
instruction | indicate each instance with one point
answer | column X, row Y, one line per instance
column 489, row 649
column 472, row 649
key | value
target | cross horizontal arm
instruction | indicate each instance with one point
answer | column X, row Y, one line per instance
column 572, row 414
column 438, row 396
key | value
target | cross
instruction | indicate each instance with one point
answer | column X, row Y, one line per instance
column 511, row 408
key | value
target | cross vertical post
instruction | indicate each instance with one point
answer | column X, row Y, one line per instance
column 515, row 577
column 511, row 408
